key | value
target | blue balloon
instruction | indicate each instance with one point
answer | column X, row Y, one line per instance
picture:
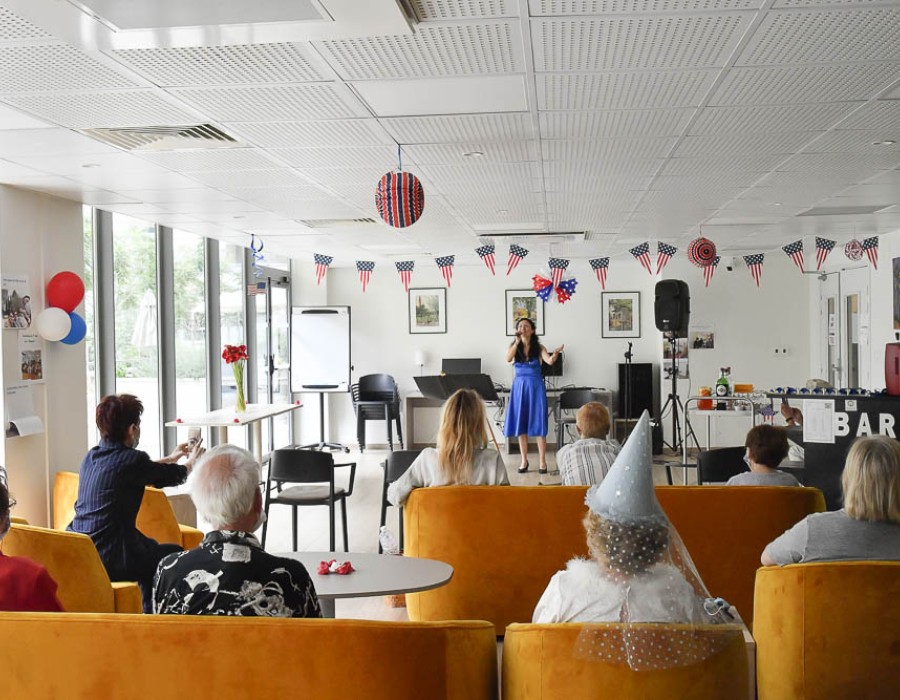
column 79, row 328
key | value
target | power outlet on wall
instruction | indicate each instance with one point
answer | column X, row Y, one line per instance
column 782, row 351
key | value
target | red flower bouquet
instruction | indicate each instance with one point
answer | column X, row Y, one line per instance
column 236, row 356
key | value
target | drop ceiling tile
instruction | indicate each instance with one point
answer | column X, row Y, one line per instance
column 311, row 134
column 615, row 91
column 343, row 176
column 379, row 158
column 701, row 182
column 15, row 119
column 483, row 172
column 485, row 48
column 16, row 28
column 852, row 168
column 594, row 125
column 437, row 10
column 10, row 172
column 702, row 40
column 274, row 103
column 831, row 35
column 749, row 119
column 786, row 142
column 117, row 108
column 857, row 142
column 54, row 67
column 883, row 114
column 138, row 180
column 249, row 178
column 237, row 64
column 545, row 8
column 467, row 95
column 601, row 151
column 279, row 196
column 462, row 128
column 111, row 163
column 213, row 159
column 168, row 199
column 792, row 84
column 455, row 154
column 722, row 164
column 22, row 144
column 623, row 168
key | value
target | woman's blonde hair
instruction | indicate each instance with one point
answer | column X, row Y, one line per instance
column 871, row 479
column 462, row 432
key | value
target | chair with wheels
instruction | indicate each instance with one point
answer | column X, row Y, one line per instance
column 720, row 464
column 313, row 472
column 376, row 397
column 394, row 467
column 571, row 400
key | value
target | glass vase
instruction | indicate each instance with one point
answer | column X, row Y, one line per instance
column 240, row 404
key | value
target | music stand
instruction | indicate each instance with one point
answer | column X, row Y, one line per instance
column 441, row 387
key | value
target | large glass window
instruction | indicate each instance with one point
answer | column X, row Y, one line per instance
column 90, row 347
column 137, row 343
column 190, row 324
column 231, row 310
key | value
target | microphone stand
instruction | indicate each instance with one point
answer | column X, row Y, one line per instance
column 628, row 356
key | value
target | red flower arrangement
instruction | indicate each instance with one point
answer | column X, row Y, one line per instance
column 236, row 355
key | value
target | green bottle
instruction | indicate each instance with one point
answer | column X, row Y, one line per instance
column 723, row 388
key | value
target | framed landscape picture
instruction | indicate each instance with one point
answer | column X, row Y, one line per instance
column 523, row 303
column 428, row 310
column 621, row 315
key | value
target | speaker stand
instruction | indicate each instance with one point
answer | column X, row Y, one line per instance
column 628, row 356
column 673, row 402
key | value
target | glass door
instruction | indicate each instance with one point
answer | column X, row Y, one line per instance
column 273, row 356
column 830, row 327
column 844, row 328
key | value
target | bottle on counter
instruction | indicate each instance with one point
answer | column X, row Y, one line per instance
column 705, row 404
column 723, row 388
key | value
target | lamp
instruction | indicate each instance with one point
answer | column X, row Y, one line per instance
column 419, row 359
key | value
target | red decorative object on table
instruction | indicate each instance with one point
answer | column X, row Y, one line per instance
column 333, row 567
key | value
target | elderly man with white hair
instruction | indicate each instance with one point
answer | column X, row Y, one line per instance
column 230, row 573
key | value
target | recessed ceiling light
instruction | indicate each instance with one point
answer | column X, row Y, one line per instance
column 776, row 204
column 91, row 165
column 888, row 142
column 502, row 212
column 474, row 154
column 239, row 216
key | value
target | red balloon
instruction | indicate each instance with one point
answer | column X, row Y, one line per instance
column 65, row 290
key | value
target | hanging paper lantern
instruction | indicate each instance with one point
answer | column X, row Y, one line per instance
column 65, row 290
column 702, row 252
column 399, row 198
column 853, row 250
column 77, row 332
column 53, row 324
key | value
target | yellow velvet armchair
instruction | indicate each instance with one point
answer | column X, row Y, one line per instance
column 540, row 662
column 72, row 561
column 143, row 657
column 828, row 630
column 155, row 519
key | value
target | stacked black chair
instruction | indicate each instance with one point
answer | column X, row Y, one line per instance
column 376, row 397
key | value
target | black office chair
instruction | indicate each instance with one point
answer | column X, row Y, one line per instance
column 394, row 467
column 314, row 471
column 376, row 397
column 571, row 400
column 720, row 464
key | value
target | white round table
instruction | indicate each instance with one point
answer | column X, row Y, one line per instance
column 374, row 575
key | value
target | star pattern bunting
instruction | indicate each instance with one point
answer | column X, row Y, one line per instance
column 322, row 263
column 641, row 253
column 365, row 268
column 446, row 265
column 870, row 245
column 823, row 248
column 516, row 253
column 405, row 269
column 486, row 253
column 600, row 266
column 709, row 270
column 664, row 253
column 754, row 263
column 795, row 251
column 557, row 269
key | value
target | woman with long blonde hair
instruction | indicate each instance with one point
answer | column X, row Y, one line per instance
column 461, row 457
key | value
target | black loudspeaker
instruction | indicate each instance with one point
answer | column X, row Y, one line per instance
column 673, row 307
column 641, row 389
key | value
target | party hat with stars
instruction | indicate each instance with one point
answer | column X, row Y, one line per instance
column 626, row 494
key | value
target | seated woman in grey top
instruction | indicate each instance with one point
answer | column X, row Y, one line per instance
column 767, row 446
column 869, row 525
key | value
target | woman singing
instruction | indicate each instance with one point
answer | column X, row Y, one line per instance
column 527, row 411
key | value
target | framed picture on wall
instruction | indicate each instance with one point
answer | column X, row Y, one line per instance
column 523, row 303
column 428, row 310
column 621, row 315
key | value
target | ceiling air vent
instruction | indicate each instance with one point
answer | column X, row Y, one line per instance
column 843, row 211
column 165, row 138
column 335, row 223
column 534, row 236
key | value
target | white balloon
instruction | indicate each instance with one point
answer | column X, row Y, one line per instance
column 53, row 324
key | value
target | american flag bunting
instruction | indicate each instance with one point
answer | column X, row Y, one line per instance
column 365, row 268
column 516, row 253
column 557, row 270
column 870, row 245
column 446, row 264
column 641, row 253
column 754, row 264
column 486, row 253
column 823, row 248
column 795, row 252
column 405, row 270
column 709, row 270
column 664, row 253
column 600, row 266
column 322, row 263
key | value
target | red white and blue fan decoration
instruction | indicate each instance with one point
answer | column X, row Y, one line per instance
column 565, row 288
column 516, row 254
column 399, row 197
column 754, row 264
column 486, row 253
column 641, row 253
column 853, row 250
column 795, row 252
column 322, row 263
column 600, row 266
column 445, row 263
column 664, row 253
column 405, row 269
column 365, row 268
column 702, row 252
column 870, row 245
column 823, row 248
column 709, row 270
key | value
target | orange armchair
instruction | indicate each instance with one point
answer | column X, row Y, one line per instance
column 539, row 662
column 155, row 519
column 828, row 630
column 72, row 561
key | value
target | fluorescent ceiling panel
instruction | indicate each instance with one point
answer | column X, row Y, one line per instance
column 397, row 98
column 150, row 14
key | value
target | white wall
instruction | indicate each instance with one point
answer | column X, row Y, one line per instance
column 40, row 236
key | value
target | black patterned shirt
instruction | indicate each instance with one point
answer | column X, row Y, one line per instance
column 231, row 574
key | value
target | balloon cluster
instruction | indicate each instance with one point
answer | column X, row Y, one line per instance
column 65, row 290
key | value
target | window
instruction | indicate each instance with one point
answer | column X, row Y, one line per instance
column 90, row 347
column 190, row 323
column 231, row 311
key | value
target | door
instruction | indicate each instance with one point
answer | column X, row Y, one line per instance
column 844, row 328
column 829, row 323
column 273, row 356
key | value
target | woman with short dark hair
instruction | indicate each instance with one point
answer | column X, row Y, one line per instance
column 113, row 476
column 767, row 447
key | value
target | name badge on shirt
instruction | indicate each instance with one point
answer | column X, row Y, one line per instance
column 235, row 552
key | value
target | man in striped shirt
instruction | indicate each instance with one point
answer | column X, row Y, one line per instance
column 586, row 461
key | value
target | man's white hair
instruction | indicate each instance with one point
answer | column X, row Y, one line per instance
column 223, row 484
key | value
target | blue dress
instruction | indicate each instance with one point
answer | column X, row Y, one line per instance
column 526, row 413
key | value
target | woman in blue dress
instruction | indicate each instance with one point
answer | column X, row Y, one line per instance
column 526, row 414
